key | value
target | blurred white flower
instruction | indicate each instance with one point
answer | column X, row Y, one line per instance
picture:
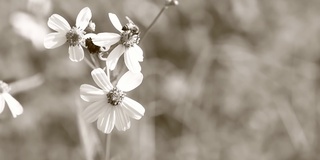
column 109, row 105
column 40, row 8
column 127, row 40
column 74, row 36
column 14, row 106
column 29, row 27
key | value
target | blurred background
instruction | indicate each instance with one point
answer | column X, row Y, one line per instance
column 224, row 80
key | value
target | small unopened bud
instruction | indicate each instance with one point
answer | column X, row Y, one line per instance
column 172, row 2
column 92, row 26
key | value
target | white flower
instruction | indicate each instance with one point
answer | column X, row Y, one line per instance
column 74, row 36
column 14, row 106
column 109, row 105
column 127, row 40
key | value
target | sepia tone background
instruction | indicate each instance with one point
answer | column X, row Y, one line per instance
column 224, row 80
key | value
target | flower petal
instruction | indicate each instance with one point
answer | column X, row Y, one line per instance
column 89, row 35
column 58, row 23
column 131, row 61
column 83, row 18
column 106, row 121
column 122, row 120
column 130, row 81
column 14, row 106
column 2, row 103
column 132, row 108
column 115, row 22
column 76, row 53
column 138, row 52
column 90, row 93
column 106, row 39
column 53, row 40
column 101, row 79
column 114, row 56
column 94, row 110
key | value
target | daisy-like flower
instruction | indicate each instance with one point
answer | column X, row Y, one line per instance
column 14, row 106
column 73, row 36
column 127, row 40
column 109, row 104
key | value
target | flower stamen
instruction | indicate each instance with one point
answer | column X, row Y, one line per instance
column 115, row 96
column 74, row 36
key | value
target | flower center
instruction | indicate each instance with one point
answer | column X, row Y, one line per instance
column 74, row 36
column 130, row 35
column 4, row 87
column 92, row 48
column 115, row 96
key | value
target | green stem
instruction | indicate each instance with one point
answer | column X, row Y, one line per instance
column 154, row 21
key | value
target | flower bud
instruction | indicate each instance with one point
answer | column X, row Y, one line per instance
column 92, row 26
column 172, row 2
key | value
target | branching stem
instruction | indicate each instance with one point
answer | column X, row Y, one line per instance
column 153, row 22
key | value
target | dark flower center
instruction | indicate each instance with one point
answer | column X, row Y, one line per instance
column 115, row 96
column 92, row 48
column 74, row 36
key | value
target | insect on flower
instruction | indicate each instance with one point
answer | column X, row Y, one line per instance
column 109, row 104
column 127, row 40
column 14, row 106
column 74, row 36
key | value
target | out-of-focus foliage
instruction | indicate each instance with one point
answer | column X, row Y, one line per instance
column 224, row 80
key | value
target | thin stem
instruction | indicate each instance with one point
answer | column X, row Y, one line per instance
column 93, row 59
column 119, row 71
column 154, row 21
column 89, row 63
column 108, row 144
column 26, row 83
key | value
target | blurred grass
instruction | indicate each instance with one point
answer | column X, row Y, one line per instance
column 233, row 79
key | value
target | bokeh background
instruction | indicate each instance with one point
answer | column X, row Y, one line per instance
column 224, row 80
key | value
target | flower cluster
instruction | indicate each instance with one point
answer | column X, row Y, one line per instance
column 77, row 38
column 108, row 104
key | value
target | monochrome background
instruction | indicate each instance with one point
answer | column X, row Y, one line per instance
column 223, row 80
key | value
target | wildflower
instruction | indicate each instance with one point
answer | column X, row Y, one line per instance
column 74, row 36
column 127, row 43
column 14, row 106
column 109, row 105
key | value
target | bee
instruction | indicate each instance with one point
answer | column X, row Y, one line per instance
column 131, row 27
